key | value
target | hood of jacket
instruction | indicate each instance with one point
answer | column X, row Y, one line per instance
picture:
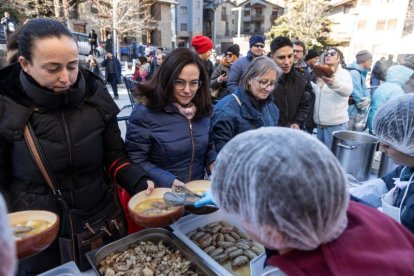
column 398, row 74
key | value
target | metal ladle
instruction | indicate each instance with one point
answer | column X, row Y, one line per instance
column 181, row 196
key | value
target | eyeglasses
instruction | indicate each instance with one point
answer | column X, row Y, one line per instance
column 259, row 46
column 229, row 55
column 181, row 84
column 265, row 83
column 331, row 54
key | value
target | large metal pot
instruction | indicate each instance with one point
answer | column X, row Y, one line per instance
column 386, row 165
column 355, row 151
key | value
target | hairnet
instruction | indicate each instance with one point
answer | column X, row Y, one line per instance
column 7, row 247
column 286, row 180
column 394, row 124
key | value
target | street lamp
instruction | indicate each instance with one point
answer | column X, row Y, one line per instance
column 114, row 26
column 238, row 23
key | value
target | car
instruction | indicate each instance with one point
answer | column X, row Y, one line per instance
column 84, row 46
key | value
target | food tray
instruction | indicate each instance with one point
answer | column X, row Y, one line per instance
column 155, row 235
column 68, row 269
column 188, row 223
column 257, row 265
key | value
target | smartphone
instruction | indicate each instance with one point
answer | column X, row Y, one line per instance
column 223, row 73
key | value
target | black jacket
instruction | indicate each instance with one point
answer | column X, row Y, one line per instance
column 80, row 138
column 291, row 99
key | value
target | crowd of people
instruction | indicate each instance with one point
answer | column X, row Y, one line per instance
column 257, row 111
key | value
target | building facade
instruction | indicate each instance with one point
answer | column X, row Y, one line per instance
column 383, row 27
column 188, row 21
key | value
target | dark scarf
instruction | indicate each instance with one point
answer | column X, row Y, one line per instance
column 45, row 98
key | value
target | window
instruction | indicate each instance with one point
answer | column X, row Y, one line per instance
column 198, row 4
column 183, row 27
column 183, row 10
column 361, row 25
column 223, row 10
column 259, row 11
column 246, row 13
column 392, row 24
column 380, row 25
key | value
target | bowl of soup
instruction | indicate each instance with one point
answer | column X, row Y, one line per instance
column 33, row 231
column 151, row 211
column 199, row 187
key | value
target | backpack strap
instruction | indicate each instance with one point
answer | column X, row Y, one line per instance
column 237, row 99
column 351, row 68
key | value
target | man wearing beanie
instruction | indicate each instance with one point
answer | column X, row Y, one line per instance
column 360, row 97
column 257, row 44
column 203, row 46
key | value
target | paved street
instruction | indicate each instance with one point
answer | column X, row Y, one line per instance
column 123, row 101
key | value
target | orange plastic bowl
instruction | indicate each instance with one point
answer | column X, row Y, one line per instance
column 157, row 220
column 33, row 244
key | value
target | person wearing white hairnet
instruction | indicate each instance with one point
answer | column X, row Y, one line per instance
column 290, row 194
column 7, row 246
column 394, row 127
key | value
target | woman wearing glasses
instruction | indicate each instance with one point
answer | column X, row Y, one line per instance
column 168, row 134
column 331, row 98
column 218, row 81
column 251, row 106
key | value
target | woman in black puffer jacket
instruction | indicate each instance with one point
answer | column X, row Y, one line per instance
column 74, row 120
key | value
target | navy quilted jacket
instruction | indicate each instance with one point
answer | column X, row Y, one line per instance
column 231, row 118
column 168, row 145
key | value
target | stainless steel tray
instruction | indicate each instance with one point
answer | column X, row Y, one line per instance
column 188, row 223
column 155, row 235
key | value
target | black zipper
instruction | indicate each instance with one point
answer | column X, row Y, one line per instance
column 68, row 142
column 192, row 150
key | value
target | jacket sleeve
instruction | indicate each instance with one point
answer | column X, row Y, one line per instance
column 223, row 129
column 302, row 111
column 214, row 84
column 407, row 210
column 211, row 154
column 104, row 62
column 138, row 142
column 358, row 89
column 234, row 77
column 343, row 84
column 129, row 176
column 5, row 168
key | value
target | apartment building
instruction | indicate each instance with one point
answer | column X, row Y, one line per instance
column 381, row 26
column 157, row 28
column 188, row 21
column 236, row 21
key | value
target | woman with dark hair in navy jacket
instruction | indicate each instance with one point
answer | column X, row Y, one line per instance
column 168, row 134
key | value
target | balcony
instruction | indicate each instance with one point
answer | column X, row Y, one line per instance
column 247, row 18
column 258, row 30
column 257, row 18
column 245, row 30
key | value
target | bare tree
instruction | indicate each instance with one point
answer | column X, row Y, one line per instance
column 306, row 20
column 126, row 17
column 58, row 9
